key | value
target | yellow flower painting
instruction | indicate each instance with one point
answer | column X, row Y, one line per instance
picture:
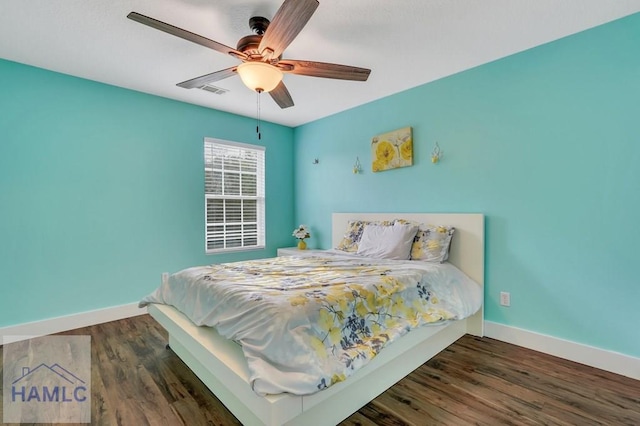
column 392, row 150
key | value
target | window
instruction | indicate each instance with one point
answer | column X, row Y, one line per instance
column 234, row 196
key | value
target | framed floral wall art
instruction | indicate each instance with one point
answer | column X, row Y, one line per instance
column 392, row 150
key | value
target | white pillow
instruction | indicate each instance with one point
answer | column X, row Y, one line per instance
column 387, row 242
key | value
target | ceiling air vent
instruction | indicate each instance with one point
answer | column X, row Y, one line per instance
column 214, row 89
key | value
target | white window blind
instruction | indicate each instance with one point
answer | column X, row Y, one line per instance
column 234, row 196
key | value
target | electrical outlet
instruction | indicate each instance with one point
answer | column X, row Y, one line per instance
column 505, row 298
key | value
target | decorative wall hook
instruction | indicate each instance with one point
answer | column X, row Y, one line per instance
column 436, row 154
column 316, row 161
column 357, row 168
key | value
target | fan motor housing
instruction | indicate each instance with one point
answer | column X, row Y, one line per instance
column 249, row 44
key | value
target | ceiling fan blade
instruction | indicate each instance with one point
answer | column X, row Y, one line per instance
column 326, row 70
column 186, row 35
column 288, row 21
column 281, row 95
column 208, row 78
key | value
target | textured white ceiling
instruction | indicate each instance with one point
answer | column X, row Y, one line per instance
column 406, row 43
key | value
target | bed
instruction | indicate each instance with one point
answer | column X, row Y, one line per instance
column 222, row 367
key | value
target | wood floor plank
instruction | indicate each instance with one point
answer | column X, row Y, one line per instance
column 438, row 389
column 552, row 366
column 508, row 397
column 358, row 419
column 562, row 397
column 101, row 409
column 475, row 381
column 406, row 401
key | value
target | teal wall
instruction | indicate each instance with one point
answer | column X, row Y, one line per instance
column 546, row 144
column 101, row 190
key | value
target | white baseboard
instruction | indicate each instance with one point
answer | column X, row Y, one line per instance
column 589, row 355
column 24, row 331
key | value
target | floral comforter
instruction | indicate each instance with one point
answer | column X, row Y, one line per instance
column 305, row 323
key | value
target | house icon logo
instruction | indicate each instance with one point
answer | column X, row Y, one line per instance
column 46, row 379
column 46, row 383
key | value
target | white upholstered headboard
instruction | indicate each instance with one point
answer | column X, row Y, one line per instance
column 467, row 245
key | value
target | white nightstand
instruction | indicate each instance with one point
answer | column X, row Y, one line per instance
column 294, row 251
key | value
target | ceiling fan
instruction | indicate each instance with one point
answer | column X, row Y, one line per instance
column 262, row 65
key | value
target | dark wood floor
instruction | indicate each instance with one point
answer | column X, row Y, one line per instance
column 479, row 381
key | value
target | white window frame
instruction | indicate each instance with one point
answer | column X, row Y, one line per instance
column 228, row 226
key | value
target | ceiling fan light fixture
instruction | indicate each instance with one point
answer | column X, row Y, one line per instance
column 260, row 76
column 261, row 50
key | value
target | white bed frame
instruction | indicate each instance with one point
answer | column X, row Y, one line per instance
column 221, row 366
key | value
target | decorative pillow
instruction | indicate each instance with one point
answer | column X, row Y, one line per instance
column 387, row 242
column 431, row 243
column 353, row 234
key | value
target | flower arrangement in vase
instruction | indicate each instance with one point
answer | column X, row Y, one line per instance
column 301, row 232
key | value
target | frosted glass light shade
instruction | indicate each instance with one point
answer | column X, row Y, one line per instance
column 259, row 76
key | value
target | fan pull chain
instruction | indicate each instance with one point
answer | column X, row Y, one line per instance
column 258, row 91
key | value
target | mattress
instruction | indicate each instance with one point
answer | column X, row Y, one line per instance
column 308, row 322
